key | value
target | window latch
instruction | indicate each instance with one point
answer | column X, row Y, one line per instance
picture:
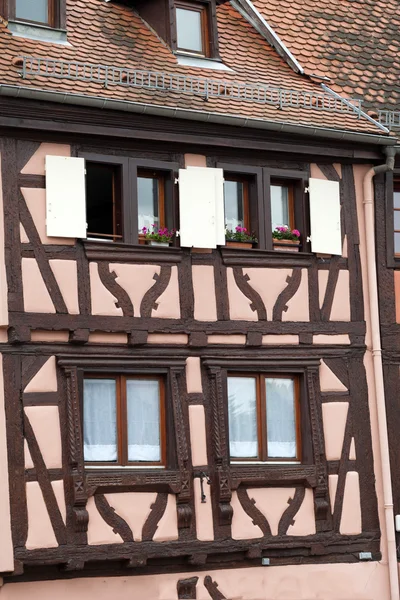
column 202, row 476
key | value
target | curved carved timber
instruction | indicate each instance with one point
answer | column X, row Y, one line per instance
column 212, row 588
column 152, row 521
column 118, row 524
column 108, row 279
column 257, row 304
column 287, row 518
column 149, row 300
column 186, row 588
column 249, row 506
column 293, row 284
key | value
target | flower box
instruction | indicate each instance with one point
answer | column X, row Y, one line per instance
column 154, row 243
column 286, row 245
column 240, row 245
column 240, row 238
column 160, row 236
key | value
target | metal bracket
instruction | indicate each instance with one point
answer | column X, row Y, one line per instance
column 202, row 476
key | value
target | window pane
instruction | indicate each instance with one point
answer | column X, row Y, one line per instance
column 188, row 27
column 397, row 220
column 397, row 243
column 233, row 197
column 396, row 199
column 242, row 408
column 143, row 405
column 147, row 202
column 279, row 206
column 99, row 420
column 281, row 419
column 32, row 10
column 100, row 200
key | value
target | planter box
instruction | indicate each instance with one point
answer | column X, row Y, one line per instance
column 160, row 244
column 286, row 245
column 240, row 245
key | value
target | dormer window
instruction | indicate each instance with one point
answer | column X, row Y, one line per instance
column 192, row 29
column 40, row 11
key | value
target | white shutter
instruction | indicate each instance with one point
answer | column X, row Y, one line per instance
column 65, row 197
column 326, row 236
column 201, row 206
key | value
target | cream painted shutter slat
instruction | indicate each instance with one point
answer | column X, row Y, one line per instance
column 65, row 197
column 201, row 206
column 326, row 236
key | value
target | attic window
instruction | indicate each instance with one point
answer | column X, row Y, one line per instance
column 192, row 28
column 40, row 11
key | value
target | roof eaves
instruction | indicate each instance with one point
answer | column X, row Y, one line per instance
column 247, row 9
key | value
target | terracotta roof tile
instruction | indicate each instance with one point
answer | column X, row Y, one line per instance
column 114, row 35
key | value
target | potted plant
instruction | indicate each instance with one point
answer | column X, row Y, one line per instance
column 286, row 239
column 240, row 238
column 159, row 236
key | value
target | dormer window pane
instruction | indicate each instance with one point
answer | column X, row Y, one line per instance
column 189, row 30
column 29, row 10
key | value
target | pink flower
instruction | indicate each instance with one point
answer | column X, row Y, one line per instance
column 296, row 232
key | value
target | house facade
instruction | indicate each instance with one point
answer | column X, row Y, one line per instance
column 199, row 419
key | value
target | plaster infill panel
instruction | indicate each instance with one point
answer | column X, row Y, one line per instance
column 98, row 530
column 167, row 529
column 134, row 508
column 205, row 307
column 269, row 283
column 45, row 379
column 66, row 274
column 341, row 300
column 239, row 304
column 304, row 520
column 298, row 307
column 36, row 297
column 280, row 339
column 243, row 527
column 39, row 335
column 168, row 304
column 204, row 513
column 168, row 338
column 40, row 530
column 333, row 483
column 321, row 338
column 6, row 544
column 193, row 375
column 3, row 275
column 103, row 302
column 36, row 164
column 104, row 337
column 136, row 280
column 329, row 382
column 334, row 415
column 35, row 199
column 350, row 523
column 45, row 421
column 272, row 502
column 226, row 339
column 198, row 443
column 28, row 462
column 58, row 489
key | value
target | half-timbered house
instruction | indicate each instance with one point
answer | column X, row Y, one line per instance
column 193, row 420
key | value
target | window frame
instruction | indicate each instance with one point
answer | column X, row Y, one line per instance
column 262, row 425
column 241, row 178
column 122, row 420
column 291, row 201
column 203, row 9
column 212, row 48
column 56, row 14
column 117, row 206
column 129, row 197
column 161, row 179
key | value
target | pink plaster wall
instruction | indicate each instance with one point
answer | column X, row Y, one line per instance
column 239, row 304
column 334, row 415
column 198, row 443
column 204, row 513
column 45, row 379
column 45, row 421
column 58, row 489
column 28, row 462
column 280, row 339
column 167, row 338
column 136, row 281
column 333, row 482
column 341, row 300
column 168, row 304
column 38, row 335
column 3, row 277
column 98, row 530
column 36, row 164
column 226, row 339
column 352, row 453
column 193, row 375
column 35, row 199
column 6, row 545
column 205, row 308
column 272, row 502
column 167, row 529
column 104, row 337
column 66, row 274
column 269, row 283
column 350, row 523
column 331, row 339
column 195, row 160
column 304, row 520
column 36, row 297
column 40, row 530
column 358, row 581
column 298, row 305
column 134, row 507
column 103, row 302
column 243, row 527
column 328, row 380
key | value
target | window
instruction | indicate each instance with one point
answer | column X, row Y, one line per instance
column 151, row 194
column 35, row 11
column 124, row 420
column 282, row 204
column 236, row 202
column 396, row 216
column 264, row 417
column 103, row 201
column 192, row 28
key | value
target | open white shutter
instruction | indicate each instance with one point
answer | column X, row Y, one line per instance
column 326, row 236
column 65, row 197
column 201, row 206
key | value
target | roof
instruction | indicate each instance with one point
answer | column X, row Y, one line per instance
column 356, row 43
column 113, row 35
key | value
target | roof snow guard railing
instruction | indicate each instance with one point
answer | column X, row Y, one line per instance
column 185, row 84
column 390, row 118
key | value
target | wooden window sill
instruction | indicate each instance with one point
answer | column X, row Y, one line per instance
column 130, row 253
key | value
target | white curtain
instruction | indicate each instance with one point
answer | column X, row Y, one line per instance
column 147, row 202
column 242, row 407
column 281, row 419
column 279, row 206
column 143, row 406
column 99, row 419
